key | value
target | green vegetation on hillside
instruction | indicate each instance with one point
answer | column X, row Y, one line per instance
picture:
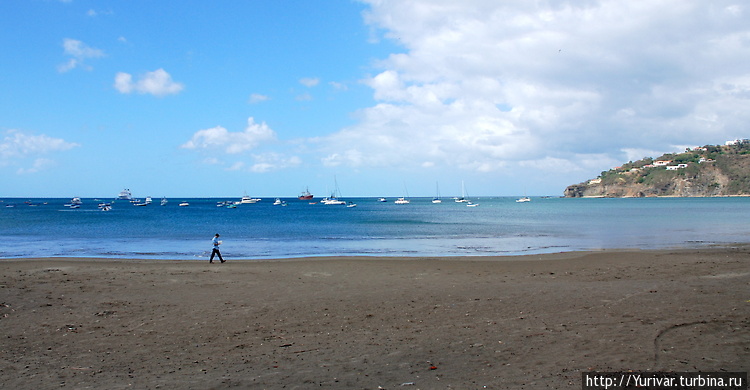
column 710, row 170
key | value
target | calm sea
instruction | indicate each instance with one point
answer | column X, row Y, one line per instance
column 498, row 226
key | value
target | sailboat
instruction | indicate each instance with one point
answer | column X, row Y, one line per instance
column 437, row 199
column 465, row 197
column 462, row 199
column 403, row 200
column 333, row 200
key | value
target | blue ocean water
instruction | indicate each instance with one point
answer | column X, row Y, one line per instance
column 498, row 226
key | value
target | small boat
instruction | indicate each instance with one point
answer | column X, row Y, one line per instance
column 149, row 200
column 332, row 201
column 277, row 202
column 465, row 198
column 351, row 204
column 184, row 204
column 76, row 200
column 383, row 200
column 305, row 195
column 164, row 201
column 248, row 200
column 231, row 206
column 437, row 199
column 523, row 200
column 105, row 206
column 402, row 201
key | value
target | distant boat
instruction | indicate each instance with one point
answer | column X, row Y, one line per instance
column 382, row 200
column 125, row 195
column 149, row 200
column 402, row 201
column 523, row 199
column 75, row 203
column 465, row 197
column 305, row 195
column 184, row 204
column 333, row 199
column 462, row 199
column 248, row 200
column 278, row 202
column 351, row 204
column 164, row 201
column 437, row 199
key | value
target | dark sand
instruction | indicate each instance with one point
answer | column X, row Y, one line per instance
column 371, row 323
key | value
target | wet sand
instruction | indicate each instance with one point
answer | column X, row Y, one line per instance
column 372, row 323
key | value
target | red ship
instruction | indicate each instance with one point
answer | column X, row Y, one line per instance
column 306, row 195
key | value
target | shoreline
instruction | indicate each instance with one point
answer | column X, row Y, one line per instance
column 361, row 322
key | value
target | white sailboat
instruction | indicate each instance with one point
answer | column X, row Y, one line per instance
column 333, row 199
column 437, row 199
column 465, row 197
column 403, row 200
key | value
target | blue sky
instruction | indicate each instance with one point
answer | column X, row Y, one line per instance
column 389, row 97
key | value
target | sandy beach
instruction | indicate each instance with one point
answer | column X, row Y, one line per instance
column 372, row 323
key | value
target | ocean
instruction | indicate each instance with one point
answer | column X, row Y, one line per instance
column 498, row 226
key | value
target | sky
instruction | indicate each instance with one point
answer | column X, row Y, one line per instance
column 373, row 97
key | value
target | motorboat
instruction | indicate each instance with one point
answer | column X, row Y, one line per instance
column 523, row 200
column 184, row 204
column 248, row 200
column 277, row 202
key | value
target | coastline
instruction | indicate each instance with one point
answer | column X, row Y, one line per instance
column 365, row 322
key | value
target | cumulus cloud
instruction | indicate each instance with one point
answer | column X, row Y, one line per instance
column 219, row 139
column 157, row 83
column 488, row 85
column 17, row 147
column 78, row 52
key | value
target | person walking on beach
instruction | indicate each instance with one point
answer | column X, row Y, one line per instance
column 215, row 250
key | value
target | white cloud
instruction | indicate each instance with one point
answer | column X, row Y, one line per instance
column 157, row 83
column 219, row 139
column 309, row 81
column 268, row 162
column 17, row 146
column 257, row 98
column 78, row 52
column 488, row 85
